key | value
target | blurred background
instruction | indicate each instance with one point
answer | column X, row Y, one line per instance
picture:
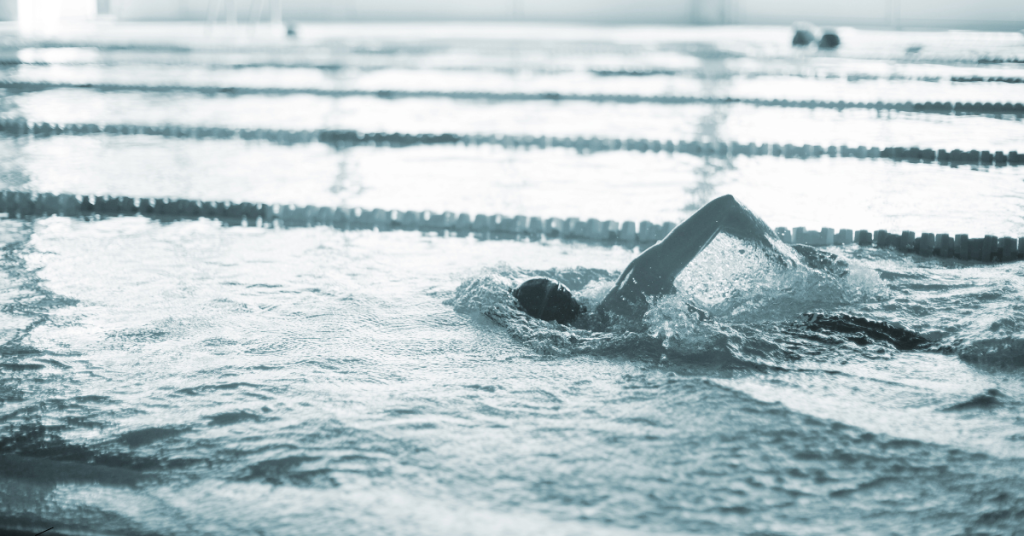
column 982, row 15
column 716, row 83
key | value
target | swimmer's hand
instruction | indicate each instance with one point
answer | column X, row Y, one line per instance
column 822, row 260
column 702, row 315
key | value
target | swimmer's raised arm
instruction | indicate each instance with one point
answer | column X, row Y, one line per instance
column 653, row 272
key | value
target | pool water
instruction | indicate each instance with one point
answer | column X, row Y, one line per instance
column 187, row 377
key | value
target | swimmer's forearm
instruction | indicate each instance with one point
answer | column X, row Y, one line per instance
column 744, row 224
column 653, row 271
column 689, row 238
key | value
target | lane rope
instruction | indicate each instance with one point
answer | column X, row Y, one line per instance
column 340, row 139
column 29, row 205
column 946, row 108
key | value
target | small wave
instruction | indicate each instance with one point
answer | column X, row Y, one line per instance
column 1005, row 351
column 34, row 440
column 52, row 472
column 863, row 328
column 22, row 366
column 145, row 436
column 296, row 470
column 195, row 391
column 234, row 417
column 986, row 400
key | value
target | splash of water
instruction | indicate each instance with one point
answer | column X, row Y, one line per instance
column 743, row 288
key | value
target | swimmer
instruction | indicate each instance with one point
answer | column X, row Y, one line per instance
column 652, row 273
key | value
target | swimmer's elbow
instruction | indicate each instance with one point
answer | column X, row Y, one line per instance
column 726, row 205
column 725, row 200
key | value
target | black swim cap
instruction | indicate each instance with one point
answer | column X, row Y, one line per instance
column 547, row 299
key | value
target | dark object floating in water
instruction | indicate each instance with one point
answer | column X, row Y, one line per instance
column 802, row 38
column 864, row 329
column 985, row 400
column 292, row 30
column 828, row 40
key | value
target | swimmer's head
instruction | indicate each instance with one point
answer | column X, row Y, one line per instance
column 547, row 299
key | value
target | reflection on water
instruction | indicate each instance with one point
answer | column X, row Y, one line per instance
column 715, row 81
column 347, row 184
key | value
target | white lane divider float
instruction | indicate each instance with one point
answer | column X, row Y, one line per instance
column 27, row 205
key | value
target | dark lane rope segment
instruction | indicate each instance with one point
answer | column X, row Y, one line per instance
column 28, row 205
column 340, row 139
column 964, row 108
column 999, row 79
